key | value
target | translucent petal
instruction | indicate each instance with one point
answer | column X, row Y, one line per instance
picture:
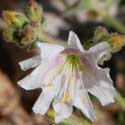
column 30, row 63
column 54, row 68
column 49, row 92
column 105, row 95
column 34, row 80
column 99, row 50
column 62, row 111
column 98, row 82
column 103, row 87
column 82, row 102
column 43, row 102
column 49, row 51
column 74, row 42
column 63, row 102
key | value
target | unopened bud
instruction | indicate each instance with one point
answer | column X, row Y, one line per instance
column 29, row 35
column 9, row 36
column 116, row 42
column 100, row 34
column 34, row 11
column 15, row 19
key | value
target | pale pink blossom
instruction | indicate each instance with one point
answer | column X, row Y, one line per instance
column 66, row 75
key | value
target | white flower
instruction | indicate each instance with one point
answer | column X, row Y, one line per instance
column 66, row 75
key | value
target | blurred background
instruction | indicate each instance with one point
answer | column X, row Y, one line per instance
column 61, row 16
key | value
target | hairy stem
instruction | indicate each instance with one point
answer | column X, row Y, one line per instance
column 44, row 37
column 113, row 22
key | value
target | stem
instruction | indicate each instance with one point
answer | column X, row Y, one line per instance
column 111, row 21
column 73, row 120
column 120, row 100
column 44, row 37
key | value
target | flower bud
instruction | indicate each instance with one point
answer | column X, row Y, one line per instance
column 9, row 35
column 34, row 11
column 116, row 42
column 15, row 19
column 100, row 34
column 29, row 35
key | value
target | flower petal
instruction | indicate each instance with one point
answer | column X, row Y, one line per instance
column 33, row 80
column 74, row 42
column 49, row 51
column 54, row 68
column 48, row 94
column 103, row 88
column 82, row 100
column 30, row 63
column 62, row 111
column 105, row 95
column 43, row 74
column 99, row 83
column 99, row 50
column 62, row 103
column 43, row 102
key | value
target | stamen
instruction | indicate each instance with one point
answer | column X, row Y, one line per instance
column 50, row 85
column 65, row 99
column 83, row 99
column 73, row 62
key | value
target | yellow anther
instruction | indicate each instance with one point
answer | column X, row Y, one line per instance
column 83, row 99
column 50, row 85
column 65, row 99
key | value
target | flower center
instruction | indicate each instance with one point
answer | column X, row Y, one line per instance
column 72, row 57
column 73, row 61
